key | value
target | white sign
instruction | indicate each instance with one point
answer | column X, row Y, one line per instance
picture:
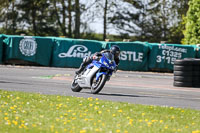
column 76, row 51
column 28, row 46
column 170, row 53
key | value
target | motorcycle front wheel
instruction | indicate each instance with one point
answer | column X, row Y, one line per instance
column 74, row 86
column 97, row 86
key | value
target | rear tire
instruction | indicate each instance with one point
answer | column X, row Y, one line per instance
column 74, row 86
column 97, row 87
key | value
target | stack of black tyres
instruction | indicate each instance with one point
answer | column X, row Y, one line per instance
column 187, row 73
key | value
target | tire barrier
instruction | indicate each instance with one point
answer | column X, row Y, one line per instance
column 187, row 73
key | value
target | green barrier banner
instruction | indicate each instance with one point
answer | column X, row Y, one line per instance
column 162, row 56
column 197, row 51
column 133, row 56
column 70, row 52
column 1, row 49
column 27, row 48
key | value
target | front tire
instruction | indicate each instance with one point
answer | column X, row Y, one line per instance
column 97, row 86
column 74, row 86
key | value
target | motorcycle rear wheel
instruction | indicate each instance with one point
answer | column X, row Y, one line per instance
column 74, row 86
column 98, row 86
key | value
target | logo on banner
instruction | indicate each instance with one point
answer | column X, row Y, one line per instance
column 76, row 51
column 131, row 56
column 28, row 46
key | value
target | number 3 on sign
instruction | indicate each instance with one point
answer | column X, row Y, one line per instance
column 159, row 59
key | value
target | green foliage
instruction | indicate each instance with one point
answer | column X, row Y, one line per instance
column 153, row 20
column 34, row 113
column 192, row 31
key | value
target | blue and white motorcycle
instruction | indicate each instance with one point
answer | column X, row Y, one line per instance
column 95, row 74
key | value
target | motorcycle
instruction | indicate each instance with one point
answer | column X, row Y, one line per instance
column 95, row 74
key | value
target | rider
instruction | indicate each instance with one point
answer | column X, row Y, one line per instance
column 115, row 50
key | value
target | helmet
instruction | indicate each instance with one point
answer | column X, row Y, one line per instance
column 115, row 50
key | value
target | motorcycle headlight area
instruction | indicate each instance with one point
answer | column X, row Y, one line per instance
column 106, row 64
column 112, row 67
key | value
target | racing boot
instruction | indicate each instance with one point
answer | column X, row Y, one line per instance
column 81, row 68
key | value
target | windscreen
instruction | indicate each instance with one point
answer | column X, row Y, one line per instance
column 109, row 56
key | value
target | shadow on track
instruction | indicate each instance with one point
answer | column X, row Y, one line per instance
column 121, row 95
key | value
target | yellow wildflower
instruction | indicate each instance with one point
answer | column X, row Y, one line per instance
column 149, row 124
column 33, row 125
column 12, row 108
column 196, row 131
column 118, row 131
column 97, row 130
column 120, row 111
column 17, row 97
column 83, row 131
column 8, row 122
column 14, row 122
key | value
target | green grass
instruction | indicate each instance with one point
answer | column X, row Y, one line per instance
column 33, row 113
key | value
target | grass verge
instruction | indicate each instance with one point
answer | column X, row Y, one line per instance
column 28, row 112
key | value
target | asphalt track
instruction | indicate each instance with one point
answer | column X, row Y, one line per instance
column 134, row 87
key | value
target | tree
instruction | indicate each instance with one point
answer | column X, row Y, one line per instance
column 70, row 18
column 60, row 13
column 9, row 16
column 77, row 19
column 151, row 20
column 104, row 9
column 105, row 19
column 180, row 8
column 192, row 31
column 38, row 17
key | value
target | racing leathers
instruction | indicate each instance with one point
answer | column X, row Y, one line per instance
column 96, row 56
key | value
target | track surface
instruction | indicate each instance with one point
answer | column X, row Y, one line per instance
column 133, row 87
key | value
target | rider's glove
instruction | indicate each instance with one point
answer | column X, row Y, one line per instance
column 94, row 57
column 116, row 69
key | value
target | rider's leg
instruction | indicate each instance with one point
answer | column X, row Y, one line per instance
column 86, row 61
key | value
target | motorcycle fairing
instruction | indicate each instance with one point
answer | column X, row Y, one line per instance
column 100, row 64
column 93, row 68
column 84, row 80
